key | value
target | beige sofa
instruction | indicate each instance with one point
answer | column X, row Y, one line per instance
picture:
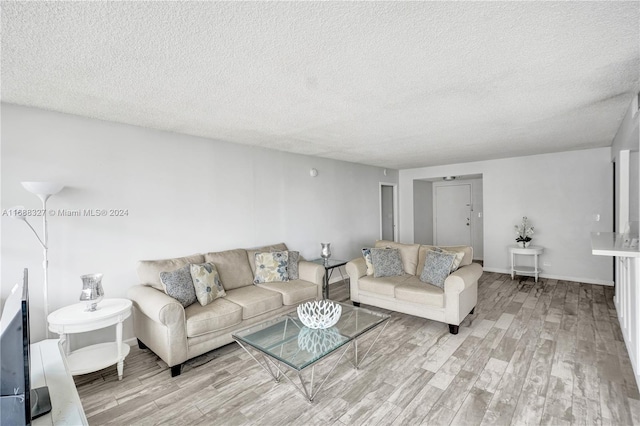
column 407, row 294
column 177, row 334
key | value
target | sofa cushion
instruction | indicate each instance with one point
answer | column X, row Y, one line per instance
column 206, row 281
column 414, row 290
column 466, row 260
column 217, row 315
column 386, row 262
column 233, row 267
column 437, row 267
column 383, row 286
column 179, row 285
column 251, row 254
column 254, row 300
column 149, row 270
column 271, row 267
column 408, row 253
column 293, row 292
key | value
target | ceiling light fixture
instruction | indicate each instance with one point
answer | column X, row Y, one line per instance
column 449, row 178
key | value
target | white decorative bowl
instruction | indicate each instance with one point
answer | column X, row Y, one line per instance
column 319, row 313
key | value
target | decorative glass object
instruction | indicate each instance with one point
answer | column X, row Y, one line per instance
column 92, row 292
column 319, row 313
column 326, row 250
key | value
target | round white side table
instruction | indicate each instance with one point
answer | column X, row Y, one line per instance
column 75, row 319
column 534, row 251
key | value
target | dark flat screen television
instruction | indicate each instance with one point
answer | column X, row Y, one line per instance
column 19, row 404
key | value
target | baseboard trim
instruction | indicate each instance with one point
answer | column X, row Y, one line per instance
column 557, row 277
column 131, row 342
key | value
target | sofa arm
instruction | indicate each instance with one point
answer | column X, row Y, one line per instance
column 463, row 278
column 159, row 322
column 157, row 305
column 311, row 272
column 356, row 268
column 461, row 293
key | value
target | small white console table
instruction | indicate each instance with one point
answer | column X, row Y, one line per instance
column 534, row 251
column 48, row 368
column 75, row 319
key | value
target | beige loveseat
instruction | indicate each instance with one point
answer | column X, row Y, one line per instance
column 177, row 334
column 407, row 294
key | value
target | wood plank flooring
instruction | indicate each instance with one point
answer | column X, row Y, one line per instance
column 546, row 353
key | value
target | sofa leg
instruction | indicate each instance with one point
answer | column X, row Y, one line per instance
column 473, row 310
column 176, row 370
column 142, row 345
column 356, row 304
column 453, row 329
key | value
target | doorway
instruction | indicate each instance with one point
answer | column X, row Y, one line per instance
column 430, row 199
column 452, row 215
column 388, row 216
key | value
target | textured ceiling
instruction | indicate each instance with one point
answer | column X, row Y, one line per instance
column 392, row 84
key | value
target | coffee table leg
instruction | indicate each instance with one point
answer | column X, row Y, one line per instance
column 355, row 344
column 309, row 393
column 265, row 365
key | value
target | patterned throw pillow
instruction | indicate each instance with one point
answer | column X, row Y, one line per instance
column 386, row 262
column 456, row 261
column 271, row 267
column 206, row 282
column 292, row 268
column 179, row 285
column 437, row 267
column 366, row 253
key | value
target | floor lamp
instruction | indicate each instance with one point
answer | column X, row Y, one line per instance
column 43, row 190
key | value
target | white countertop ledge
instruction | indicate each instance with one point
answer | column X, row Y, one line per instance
column 613, row 244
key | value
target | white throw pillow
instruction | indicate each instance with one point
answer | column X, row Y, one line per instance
column 271, row 267
column 206, row 282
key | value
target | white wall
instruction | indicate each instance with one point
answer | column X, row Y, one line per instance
column 423, row 212
column 561, row 194
column 184, row 195
column 634, row 186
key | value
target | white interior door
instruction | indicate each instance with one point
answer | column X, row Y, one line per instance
column 452, row 215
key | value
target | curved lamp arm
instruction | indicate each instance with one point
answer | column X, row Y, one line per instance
column 15, row 213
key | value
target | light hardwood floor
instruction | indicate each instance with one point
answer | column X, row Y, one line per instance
column 546, row 353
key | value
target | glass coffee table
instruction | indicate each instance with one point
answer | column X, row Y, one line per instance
column 285, row 341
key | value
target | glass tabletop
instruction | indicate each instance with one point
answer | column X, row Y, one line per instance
column 288, row 340
column 329, row 263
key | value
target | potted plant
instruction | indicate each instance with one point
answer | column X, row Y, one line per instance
column 524, row 232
